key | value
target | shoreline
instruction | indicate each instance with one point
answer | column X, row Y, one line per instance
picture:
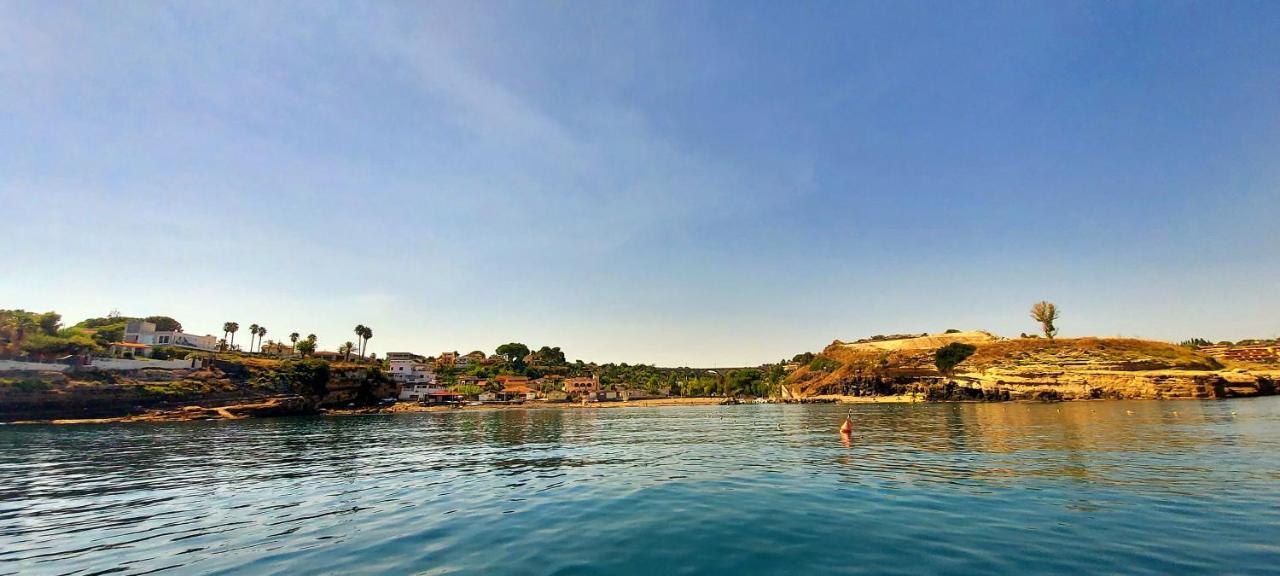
column 273, row 408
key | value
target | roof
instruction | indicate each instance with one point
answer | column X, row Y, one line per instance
column 130, row 345
column 443, row 393
column 517, row 389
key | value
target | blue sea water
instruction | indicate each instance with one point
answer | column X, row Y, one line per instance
column 1097, row 487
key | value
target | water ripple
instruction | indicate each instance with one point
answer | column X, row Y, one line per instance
column 975, row 488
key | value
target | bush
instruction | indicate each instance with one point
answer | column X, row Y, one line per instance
column 823, row 364
column 309, row 377
column 951, row 355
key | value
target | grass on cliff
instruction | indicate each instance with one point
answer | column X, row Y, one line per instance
column 1122, row 353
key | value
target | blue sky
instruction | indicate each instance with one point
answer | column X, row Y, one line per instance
column 685, row 183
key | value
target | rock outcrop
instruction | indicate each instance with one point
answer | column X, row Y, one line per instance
column 1025, row 368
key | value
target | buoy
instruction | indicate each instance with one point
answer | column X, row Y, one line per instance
column 847, row 427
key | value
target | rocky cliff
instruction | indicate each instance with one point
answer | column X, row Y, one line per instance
column 1026, row 368
column 260, row 387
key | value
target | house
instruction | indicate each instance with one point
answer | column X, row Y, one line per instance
column 519, row 392
column 409, row 368
column 447, row 359
column 600, row 395
column 416, row 392
column 442, row 397
column 327, row 355
column 129, row 349
column 512, row 380
column 273, row 348
column 582, row 386
column 629, row 394
column 145, row 333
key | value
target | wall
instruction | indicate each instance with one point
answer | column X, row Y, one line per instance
column 32, row 366
column 123, row 364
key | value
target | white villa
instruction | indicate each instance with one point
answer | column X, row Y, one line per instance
column 140, row 336
column 413, row 374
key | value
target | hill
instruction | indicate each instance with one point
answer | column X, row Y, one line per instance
column 1024, row 368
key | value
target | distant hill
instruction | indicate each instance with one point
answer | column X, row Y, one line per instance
column 1000, row 368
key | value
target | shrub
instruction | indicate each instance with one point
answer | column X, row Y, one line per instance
column 951, row 355
column 823, row 364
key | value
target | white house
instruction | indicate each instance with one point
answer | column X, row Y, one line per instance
column 413, row 374
column 145, row 333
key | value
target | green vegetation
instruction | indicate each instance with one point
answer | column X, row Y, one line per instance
column 41, row 335
column 824, row 364
column 363, row 334
column 1194, row 343
column 25, row 384
column 309, row 377
column 948, row 357
column 164, row 323
column 307, row 346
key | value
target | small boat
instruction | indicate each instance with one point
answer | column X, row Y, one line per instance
column 847, row 427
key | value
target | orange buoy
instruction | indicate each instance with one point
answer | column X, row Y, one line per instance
column 847, row 427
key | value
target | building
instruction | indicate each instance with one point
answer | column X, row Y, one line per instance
column 507, row 380
column 447, row 359
column 630, row 394
column 145, row 333
column 582, row 386
column 413, row 375
column 519, row 392
column 273, row 348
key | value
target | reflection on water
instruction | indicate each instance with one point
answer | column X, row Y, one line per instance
column 1134, row 487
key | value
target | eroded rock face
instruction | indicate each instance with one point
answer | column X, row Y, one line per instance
column 1134, row 384
column 1076, row 369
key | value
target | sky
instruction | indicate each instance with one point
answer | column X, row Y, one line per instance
column 679, row 183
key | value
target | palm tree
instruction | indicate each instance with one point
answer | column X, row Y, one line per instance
column 294, row 339
column 226, row 329
column 253, row 331
column 235, row 327
column 345, row 349
column 359, row 338
column 367, row 334
column 262, row 331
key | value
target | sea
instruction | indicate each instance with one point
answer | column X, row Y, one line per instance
column 1107, row 487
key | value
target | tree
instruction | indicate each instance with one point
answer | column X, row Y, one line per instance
column 346, row 348
column 367, row 334
column 262, row 331
column 253, row 331
column 1045, row 313
column 514, row 352
column 234, row 327
column 164, row 323
column 360, row 338
column 293, row 337
column 50, row 322
column 306, row 347
column 226, row 329
column 948, row 357
column 548, row 356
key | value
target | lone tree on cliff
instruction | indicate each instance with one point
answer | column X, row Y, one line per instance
column 1045, row 313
